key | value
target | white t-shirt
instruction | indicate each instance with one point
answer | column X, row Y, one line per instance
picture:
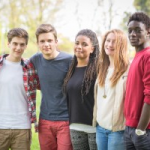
column 83, row 128
column 14, row 112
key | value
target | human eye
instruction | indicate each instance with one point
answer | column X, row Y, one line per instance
column 84, row 44
column 107, row 40
column 138, row 30
column 76, row 43
column 22, row 45
column 15, row 44
column 42, row 41
column 129, row 30
column 50, row 40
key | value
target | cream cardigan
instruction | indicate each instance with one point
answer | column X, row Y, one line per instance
column 118, row 107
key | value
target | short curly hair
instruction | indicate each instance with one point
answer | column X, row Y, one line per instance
column 140, row 17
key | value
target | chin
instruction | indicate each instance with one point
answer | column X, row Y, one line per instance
column 134, row 44
column 18, row 56
column 109, row 53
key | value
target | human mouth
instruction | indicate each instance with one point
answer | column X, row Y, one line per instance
column 110, row 49
column 47, row 49
column 78, row 52
column 18, row 52
column 133, row 40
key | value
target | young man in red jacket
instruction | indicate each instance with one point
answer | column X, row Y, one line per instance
column 137, row 100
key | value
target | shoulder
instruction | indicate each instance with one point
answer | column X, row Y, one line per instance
column 65, row 56
column 146, row 53
column 145, row 58
column 35, row 57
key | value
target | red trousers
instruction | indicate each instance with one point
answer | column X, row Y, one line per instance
column 54, row 135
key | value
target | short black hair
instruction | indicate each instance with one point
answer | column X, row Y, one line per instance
column 140, row 17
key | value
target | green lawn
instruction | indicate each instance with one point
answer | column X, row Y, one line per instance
column 35, row 142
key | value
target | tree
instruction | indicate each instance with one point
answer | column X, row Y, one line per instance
column 28, row 15
column 142, row 5
column 125, row 20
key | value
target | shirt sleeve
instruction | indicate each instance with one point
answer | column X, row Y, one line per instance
column 146, row 81
column 33, row 76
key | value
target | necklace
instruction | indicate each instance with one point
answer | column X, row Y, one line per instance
column 107, row 81
column 104, row 96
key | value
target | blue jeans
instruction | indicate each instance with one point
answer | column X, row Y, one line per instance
column 135, row 142
column 108, row 140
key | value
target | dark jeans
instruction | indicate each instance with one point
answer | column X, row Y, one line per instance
column 135, row 142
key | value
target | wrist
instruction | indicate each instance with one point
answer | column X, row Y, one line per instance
column 139, row 132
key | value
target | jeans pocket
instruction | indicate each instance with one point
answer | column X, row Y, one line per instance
column 141, row 141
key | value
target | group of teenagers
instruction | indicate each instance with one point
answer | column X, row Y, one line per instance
column 93, row 100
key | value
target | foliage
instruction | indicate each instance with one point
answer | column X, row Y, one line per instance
column 142, row 5
column 125, row 20
column 35, row 142
column 28, row 15
column 65, row 44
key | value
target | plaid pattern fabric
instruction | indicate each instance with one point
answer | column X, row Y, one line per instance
column 31, row 82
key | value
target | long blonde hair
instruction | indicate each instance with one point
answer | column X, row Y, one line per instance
column 120, row 58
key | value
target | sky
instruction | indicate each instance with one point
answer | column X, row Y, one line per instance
column 79, row 14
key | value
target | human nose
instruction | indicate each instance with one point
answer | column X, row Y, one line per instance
column 132, row 33
column 46, row 43
column 78, row 46
column 110, row 44
column 18, row 47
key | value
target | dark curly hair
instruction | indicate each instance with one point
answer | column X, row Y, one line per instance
column 140, row 17
column 90, row 73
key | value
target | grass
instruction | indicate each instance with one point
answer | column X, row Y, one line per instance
column 35, row 143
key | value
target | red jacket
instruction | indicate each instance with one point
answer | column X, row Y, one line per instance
column 138, row 87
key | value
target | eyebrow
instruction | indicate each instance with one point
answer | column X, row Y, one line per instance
column 19, row 43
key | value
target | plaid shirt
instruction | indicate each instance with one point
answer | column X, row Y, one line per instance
column 31, row 82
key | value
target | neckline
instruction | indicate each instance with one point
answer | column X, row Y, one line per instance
column 143, row 50
column 11, row 62
column 81, row 67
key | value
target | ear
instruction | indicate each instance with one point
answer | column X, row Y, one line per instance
column 56, row 41
column 148, row 32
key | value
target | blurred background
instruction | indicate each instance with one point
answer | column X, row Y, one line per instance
column 68, row 17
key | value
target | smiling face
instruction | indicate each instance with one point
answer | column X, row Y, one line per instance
column 137, row 34
column 17, row 46
column 47, row 45
column 83, row 47
column 109, row 44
